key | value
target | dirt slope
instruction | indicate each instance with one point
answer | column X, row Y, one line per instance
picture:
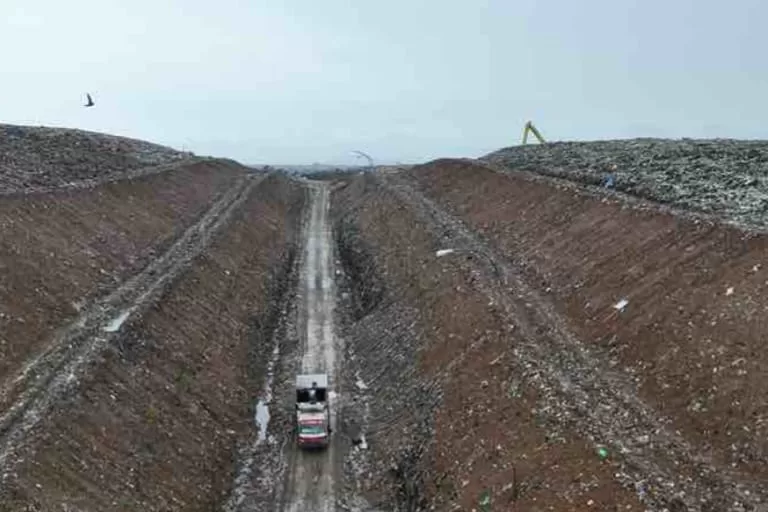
column 511, row 341
column 453, row 412
column 503, row 327
column 137, row 310
column 688, row 340
column 60, row 252
column 156, row 422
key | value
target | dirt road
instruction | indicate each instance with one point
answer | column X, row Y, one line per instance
column 311, row 478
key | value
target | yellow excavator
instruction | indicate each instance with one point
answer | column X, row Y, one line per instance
column 529, row 128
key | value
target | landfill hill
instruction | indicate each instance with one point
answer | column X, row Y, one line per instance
column 555, row 344
column 724, row 177
column 39, row 158
column 616, row 335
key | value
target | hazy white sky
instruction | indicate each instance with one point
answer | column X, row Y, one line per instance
column 302, row 81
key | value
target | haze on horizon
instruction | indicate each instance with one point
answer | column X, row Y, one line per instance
column 304, row 81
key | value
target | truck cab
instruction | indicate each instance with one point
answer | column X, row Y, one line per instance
column 313, row 426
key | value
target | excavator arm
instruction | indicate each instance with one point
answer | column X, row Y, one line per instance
column 532, row 129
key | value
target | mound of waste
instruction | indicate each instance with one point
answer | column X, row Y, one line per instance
column 40, row 157
column 728, row 178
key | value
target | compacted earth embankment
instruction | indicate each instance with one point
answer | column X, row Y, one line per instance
column 453, row 416
column 664, row 311
column 529, row 343
column 61, row 251
column 165, row 291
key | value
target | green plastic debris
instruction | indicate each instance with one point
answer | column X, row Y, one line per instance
column 602, row 453
column 514, row 389
column 485, row 501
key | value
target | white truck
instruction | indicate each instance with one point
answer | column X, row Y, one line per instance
column 313, row 427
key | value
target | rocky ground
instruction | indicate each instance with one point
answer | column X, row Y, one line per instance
column 728, row 178
column 39, row 158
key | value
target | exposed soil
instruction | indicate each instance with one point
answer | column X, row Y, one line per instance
column 381, row 381
column 438, row 363
column 53, row 372
column 514, row 336
column 687, row 340
column 39, row 158
column 156, row 423
column 261, row 458
column 61, row 252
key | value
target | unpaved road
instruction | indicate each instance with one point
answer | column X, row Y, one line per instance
column 310, row 484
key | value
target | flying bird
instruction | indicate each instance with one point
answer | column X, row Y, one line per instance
column 90, row 101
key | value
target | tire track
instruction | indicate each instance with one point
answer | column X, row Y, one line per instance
column 31, row 394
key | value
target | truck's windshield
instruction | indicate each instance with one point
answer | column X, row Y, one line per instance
column 302, row 395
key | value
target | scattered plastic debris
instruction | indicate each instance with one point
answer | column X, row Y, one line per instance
column 602, row 453
column 514, row 389
column 360, row 384
column 262, row 419
column 619, row 306
column 485, row 500
column 262, row 415
column 117, row 322
column 729, row 291
column 443, row 252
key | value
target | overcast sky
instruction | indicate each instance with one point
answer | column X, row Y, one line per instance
column 302, row 81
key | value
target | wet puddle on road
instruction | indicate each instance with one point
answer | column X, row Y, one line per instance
column 261, row 417
column 117, row 322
